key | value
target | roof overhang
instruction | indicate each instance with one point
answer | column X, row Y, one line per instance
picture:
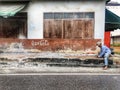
column 48, row 0
column 112, row 21
column 113, row 4
column 14, row 1
column 107, row 1
column 9, row 8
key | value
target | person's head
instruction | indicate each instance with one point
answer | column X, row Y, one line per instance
column 99, row 44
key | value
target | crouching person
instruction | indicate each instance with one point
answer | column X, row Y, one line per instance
column 105, row 52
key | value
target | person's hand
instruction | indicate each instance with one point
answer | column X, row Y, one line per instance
column 98, row 56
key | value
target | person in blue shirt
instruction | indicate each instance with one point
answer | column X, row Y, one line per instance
column 104, row 52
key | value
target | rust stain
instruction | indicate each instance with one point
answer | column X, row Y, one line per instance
column 52, row 44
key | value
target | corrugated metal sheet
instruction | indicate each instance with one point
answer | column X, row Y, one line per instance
column 14, row 1
column 53, row 0
column 112, row 21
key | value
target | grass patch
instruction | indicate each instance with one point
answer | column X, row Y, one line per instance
column 117, row 53
column 115, row 45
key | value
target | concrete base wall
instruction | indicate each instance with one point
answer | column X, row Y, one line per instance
column 49, row 44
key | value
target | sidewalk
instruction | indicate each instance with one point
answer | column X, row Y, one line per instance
column 60, row 62
column 44, row 69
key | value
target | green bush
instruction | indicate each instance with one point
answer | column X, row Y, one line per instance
column 117, row 53
column 116, row 45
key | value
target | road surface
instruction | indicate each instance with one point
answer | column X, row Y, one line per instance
column 60, row 82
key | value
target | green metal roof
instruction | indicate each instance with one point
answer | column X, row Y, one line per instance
column 112, row 21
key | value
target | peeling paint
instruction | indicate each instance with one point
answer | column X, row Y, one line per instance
column 40, row 43
column 40, row 7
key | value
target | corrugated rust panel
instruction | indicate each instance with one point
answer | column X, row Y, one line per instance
column 48, row 28
column 15, row 1
column 10, row 28
column 89, row 29
column 69, row 29
column 13, row 27
column 52, row 28
column 78, row 28
column 74, row 29
column 57, row 29
column 1, row 33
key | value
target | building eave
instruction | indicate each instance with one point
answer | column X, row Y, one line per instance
column 113, row 4
column 48, row 0
column 115, row 36
column 4, row 1
column 14, row 1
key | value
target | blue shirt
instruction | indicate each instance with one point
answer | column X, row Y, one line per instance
column 104, row 49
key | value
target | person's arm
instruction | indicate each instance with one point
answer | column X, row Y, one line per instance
column 102, row 52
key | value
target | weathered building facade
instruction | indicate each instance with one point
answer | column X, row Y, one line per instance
column 62, row 14
column 115, row 40
column 55, row 25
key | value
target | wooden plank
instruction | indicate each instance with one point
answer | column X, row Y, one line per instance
column 52, row 28
column 62, row 29
column 1, row 33
column 78, row 28
column 48, row 27
column 89, row 29
column 57, row 29
column 67, row 29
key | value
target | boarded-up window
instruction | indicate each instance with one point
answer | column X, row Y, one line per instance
column 69, row 25
column 14, row 27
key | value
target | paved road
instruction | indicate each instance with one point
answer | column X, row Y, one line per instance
column 59, row 82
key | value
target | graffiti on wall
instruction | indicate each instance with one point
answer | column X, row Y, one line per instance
column 40, row 43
